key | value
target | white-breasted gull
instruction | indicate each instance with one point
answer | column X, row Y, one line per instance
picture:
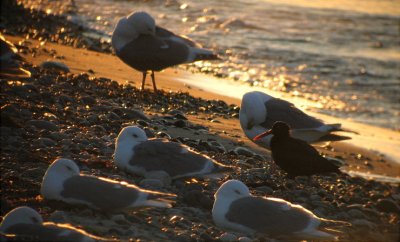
column 24, row 223
column 137, row 154
column 63, row 181
column 236, row 209
column 144, row 46
column 259, row 111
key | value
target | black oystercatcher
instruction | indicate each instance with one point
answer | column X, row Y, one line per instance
column 146, row 47
column 296, row 156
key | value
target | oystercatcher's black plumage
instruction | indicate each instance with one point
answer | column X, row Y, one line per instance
column 296, row 157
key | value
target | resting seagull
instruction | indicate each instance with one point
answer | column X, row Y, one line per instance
column 296, row 156
column 25, row 224
column 64, row 182
column 145, row 47
column 137, row 154
column 259, row 111
column 236, row 209
column 10, row 61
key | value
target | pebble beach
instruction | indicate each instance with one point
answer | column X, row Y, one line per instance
column 76, row 110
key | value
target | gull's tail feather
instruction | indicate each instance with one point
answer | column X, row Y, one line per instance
column 338, row 127
column 333, row 137
column 203, row 54
column 160, row 199
column 331, row 222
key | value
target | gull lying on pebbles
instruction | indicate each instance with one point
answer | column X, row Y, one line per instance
column 64, row 182
column 236, row 209
column 25, row 224
column 259, row 111
column 137, row 154
column 296, row 156
column 145, row 47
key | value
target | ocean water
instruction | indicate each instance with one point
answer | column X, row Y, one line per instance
column 342, row 54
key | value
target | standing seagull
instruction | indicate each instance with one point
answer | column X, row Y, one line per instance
column 259, row 111
column 235, row 209
column 145, row 47
column 139, row 155
column 296, row 156
column 25, row 224
column 10, row 65
column 64, row 182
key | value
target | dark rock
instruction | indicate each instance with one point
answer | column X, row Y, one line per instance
column 55, row 65
column 43, row 124
column 197, row 198
column 243, row 151
column 387, row 206
column 163, row 135
column 142, row 123
column 133, row 114
column 265, row 189
column 180, row 123
column 88, row 100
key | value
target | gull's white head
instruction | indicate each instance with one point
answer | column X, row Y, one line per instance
column 143, row 23
column 253, row 113
column 20, row 215
column 60, row 170
column 131, row 134
column 252, row 109
column 126, row 140
column 232, row 190
column 130, row 27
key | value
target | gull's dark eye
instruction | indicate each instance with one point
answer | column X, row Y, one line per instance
column 69, row 168
column 135, row 135
column 237, row 191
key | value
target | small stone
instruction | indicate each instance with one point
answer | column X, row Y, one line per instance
column 58, row 217
column 88, row 100
column 113, row 116
column 244, row 239
column 363, row 223
column 162, row 176
column 46, row 141
column 387, row 206
column 134, row 114
column 265, row 189
column 355, row 213
column 43, row 124
column 118, row 218
column 55, row 65
column 197, row 198
column 227, row 237
column 151, row 183
column 243, row 151
column 142, row 123
column 180, row 123
column 315, row 197
column 163, row 135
